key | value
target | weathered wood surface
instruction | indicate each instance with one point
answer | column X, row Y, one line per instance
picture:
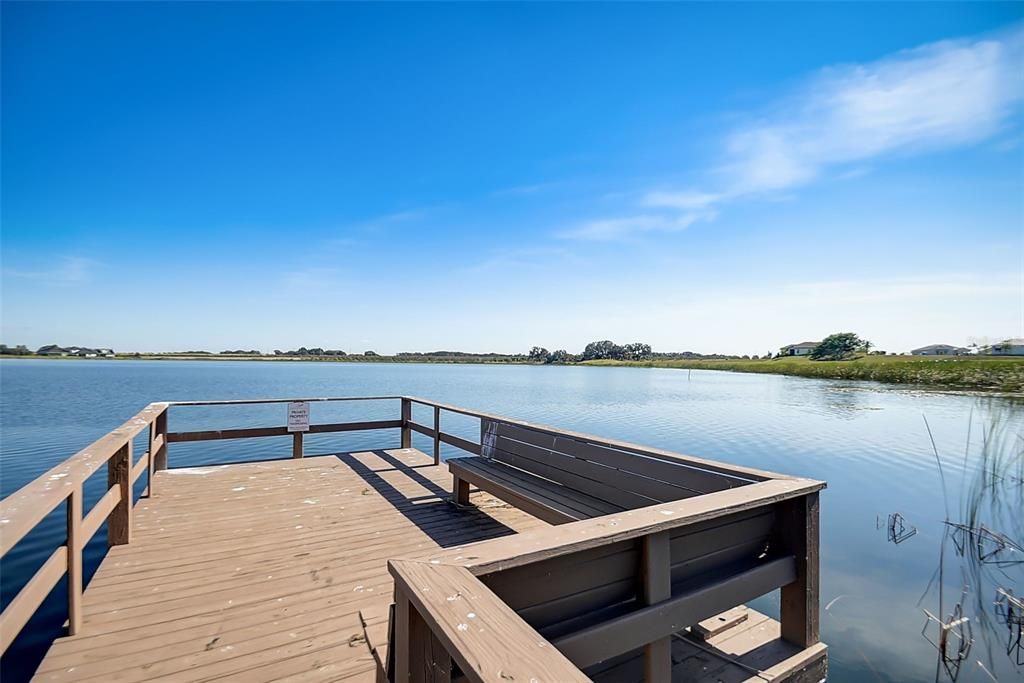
column 749, row 473
column 258, row 571
column 544, row 499
column 479, row 631
column 539, row 545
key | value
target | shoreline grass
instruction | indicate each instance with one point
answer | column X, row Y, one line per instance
column 978, row 373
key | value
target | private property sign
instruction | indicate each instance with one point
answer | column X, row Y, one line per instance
column 298, row 416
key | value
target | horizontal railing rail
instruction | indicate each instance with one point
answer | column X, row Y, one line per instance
column 23, row 510
column 792, row 566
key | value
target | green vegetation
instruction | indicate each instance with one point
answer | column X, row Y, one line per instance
column 949, row 372
column 840, row 346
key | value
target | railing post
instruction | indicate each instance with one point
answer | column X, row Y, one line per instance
column 656, row 575
column 75, row 561
column 406, row 419
column 419, row 654
column 119, row 473
column 797, row 533
column 296, row 444
column 152, row 459
column 437, row 435
column 401, row 644
column 159, row 459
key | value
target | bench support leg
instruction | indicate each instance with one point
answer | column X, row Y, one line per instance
column 460, row 490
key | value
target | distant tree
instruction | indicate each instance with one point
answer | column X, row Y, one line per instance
column 755, row 357
column 277, row 352
column 636, row 351
column 768, row 356
column 538, row 354
column 370, row 353
column 746, row 357
column 603, row 350
column 560, row 356
column 839, row 346
column 19, row 350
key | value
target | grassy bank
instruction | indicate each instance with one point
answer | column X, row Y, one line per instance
column 977, row 373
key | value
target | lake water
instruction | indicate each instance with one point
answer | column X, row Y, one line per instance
column 868, row 441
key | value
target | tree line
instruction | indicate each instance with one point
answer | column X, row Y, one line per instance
column 596, row 350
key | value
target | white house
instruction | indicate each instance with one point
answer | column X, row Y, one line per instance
column 1007, row 347
column 940, row 350
column 801, row 349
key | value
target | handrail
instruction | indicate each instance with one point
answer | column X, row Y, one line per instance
column 21, row 511
column 536, row 545
column 431, row 591
column 24, row 509
column 445, row 610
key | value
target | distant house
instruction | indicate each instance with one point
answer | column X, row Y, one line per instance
column 1007, row 347
column 106, row 353
column 940, row 350
column 801, row 349
column 51, row 350
column 82, row 352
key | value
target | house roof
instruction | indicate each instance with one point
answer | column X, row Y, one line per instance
column 938, row 346
column 790, row 346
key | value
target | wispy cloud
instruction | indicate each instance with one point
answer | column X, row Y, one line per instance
column 941, row 95
column 613, row 229
column 68, row 270
column 504, row 261
column 937, row 96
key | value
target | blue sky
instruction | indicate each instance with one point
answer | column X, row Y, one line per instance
column 708, row 177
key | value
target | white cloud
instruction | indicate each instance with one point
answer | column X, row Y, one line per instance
column 611, row 229
column 686, row 201
column 69, row 270
column 937, row 96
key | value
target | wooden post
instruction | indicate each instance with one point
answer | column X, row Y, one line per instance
column 297, row 444
column 152, row 459
column 406, row 419
column 75, row 561
column 797, row 533
column 420, row 656
column 160, row 457
column 460, row 490
column 656, row 573
column 119, row 473
column 437, row 435
column 401, row 641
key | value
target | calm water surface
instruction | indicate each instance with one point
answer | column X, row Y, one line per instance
column 868, row 441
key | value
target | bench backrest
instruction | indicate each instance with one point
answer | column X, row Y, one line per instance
column 627, row 479
column 562, row 595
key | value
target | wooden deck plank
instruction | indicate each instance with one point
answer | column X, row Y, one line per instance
column 258, row 571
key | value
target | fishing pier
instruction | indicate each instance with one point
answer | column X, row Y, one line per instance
column 540, row 555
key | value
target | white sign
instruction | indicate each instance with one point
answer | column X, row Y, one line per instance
column 298, row 416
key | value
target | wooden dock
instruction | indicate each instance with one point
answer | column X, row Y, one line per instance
column 258, row 571
column 360, row 566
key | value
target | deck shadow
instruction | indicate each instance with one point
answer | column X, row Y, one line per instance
column 434, row 514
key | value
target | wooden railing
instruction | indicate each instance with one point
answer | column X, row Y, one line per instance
column 26, row 508
column 440, row 603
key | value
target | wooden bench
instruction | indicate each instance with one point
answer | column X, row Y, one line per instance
column 561, row 478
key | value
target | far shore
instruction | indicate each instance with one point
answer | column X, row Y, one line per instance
column 1003, row 374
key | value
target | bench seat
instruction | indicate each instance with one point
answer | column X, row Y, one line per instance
column 540, row 497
